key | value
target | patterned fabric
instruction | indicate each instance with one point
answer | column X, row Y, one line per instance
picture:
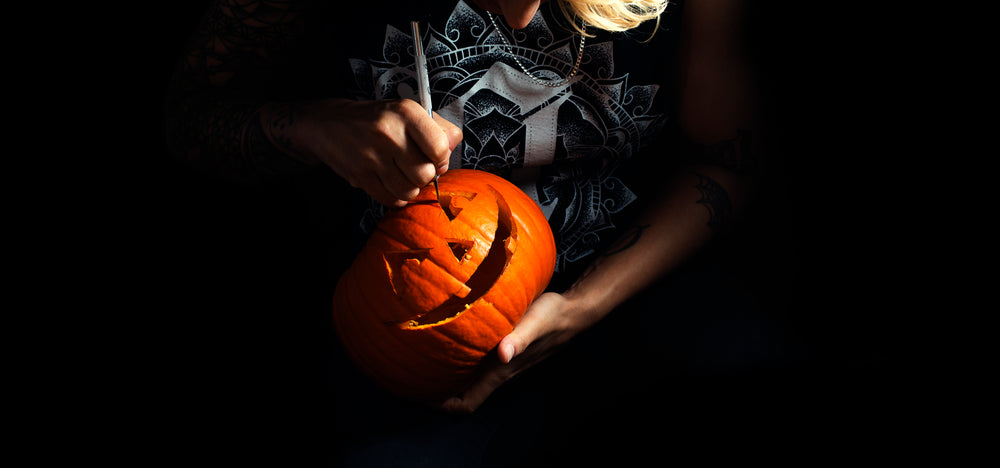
column 562, row 146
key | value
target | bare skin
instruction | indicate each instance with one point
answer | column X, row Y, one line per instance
column 517, row 13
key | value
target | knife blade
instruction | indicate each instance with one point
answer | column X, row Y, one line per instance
column 423, row 85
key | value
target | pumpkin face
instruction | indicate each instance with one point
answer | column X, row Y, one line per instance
column 437, row 286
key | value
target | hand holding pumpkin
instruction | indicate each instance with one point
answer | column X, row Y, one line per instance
column 550, row 321
column 390, row 149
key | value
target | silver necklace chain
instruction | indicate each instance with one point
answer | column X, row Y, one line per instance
column 550, row 83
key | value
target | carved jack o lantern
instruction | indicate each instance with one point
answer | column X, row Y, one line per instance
column 437, row 287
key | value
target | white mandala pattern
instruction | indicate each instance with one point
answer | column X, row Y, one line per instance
column 560, row 145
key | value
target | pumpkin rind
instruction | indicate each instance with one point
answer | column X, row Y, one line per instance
column 413, row 314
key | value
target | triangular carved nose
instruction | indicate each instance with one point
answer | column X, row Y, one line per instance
column 460, row 248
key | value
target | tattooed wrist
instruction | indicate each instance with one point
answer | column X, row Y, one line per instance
column 716, row 200
column 265, row 141
column 276, row 121
column 211, row 121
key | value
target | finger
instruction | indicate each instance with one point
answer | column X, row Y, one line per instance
column 454, row 134
column 478, row 392
column 429, row 137
column 397, row 182
column 415, row 167
column 456, row 405
column 376, row 189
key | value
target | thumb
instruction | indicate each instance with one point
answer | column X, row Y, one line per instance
column 526, row 332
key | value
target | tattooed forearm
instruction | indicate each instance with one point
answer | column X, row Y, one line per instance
column 716, row 200
column 238, row 36
column 213, row 104
column 215, row 133
column 737, row 154
column 265, row 138
column 276, row 122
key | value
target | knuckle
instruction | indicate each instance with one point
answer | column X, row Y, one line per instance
column 442, row 148
column 406, row 107
column 384, row 127
column 410, row 194
column 425, row 174
column 454, row 133
column 459, row 408
column 389, row 199
column 360, row 180
column 449, row 128
column 503, row 375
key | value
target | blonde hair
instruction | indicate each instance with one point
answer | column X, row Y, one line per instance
column 611, row 15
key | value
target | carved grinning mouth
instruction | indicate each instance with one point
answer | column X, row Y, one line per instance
column 486, row 275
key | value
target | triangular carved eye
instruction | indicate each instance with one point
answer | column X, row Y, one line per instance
column 395, row 259
column 460, row 248
column 454, row 202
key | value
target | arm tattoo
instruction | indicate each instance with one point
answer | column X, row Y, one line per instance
column 216, row 133
column 263, row 138
column 212, row 119
column 236, row 36
column 736, row 154
column 279, row 121
column 272, row 126
column 716, row 200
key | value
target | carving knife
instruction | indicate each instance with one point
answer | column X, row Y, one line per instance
column 423, row 84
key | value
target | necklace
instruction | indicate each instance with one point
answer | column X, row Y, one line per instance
column 550, row 83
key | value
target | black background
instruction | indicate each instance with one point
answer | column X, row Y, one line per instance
column 162, row 260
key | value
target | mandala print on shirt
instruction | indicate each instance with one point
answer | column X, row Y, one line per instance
column 560, row 145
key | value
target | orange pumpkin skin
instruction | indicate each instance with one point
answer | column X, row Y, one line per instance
column 428, row 296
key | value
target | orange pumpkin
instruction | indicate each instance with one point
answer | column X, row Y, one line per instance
column 437, row 286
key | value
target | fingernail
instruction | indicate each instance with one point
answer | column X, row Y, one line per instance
column 508, row 351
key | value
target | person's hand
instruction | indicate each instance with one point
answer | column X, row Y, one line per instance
column 390, row 149
column 549, row 322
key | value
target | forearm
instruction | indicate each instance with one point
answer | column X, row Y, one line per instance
column 699, row 202
column 220, row 110
column 225, row 134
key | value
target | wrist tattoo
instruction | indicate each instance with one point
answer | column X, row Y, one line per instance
column 230, row 132
column 736, row 154
column 209, row 120
column 265, row 143
column 275, row 125
column 716, row 200
column 255, row 145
